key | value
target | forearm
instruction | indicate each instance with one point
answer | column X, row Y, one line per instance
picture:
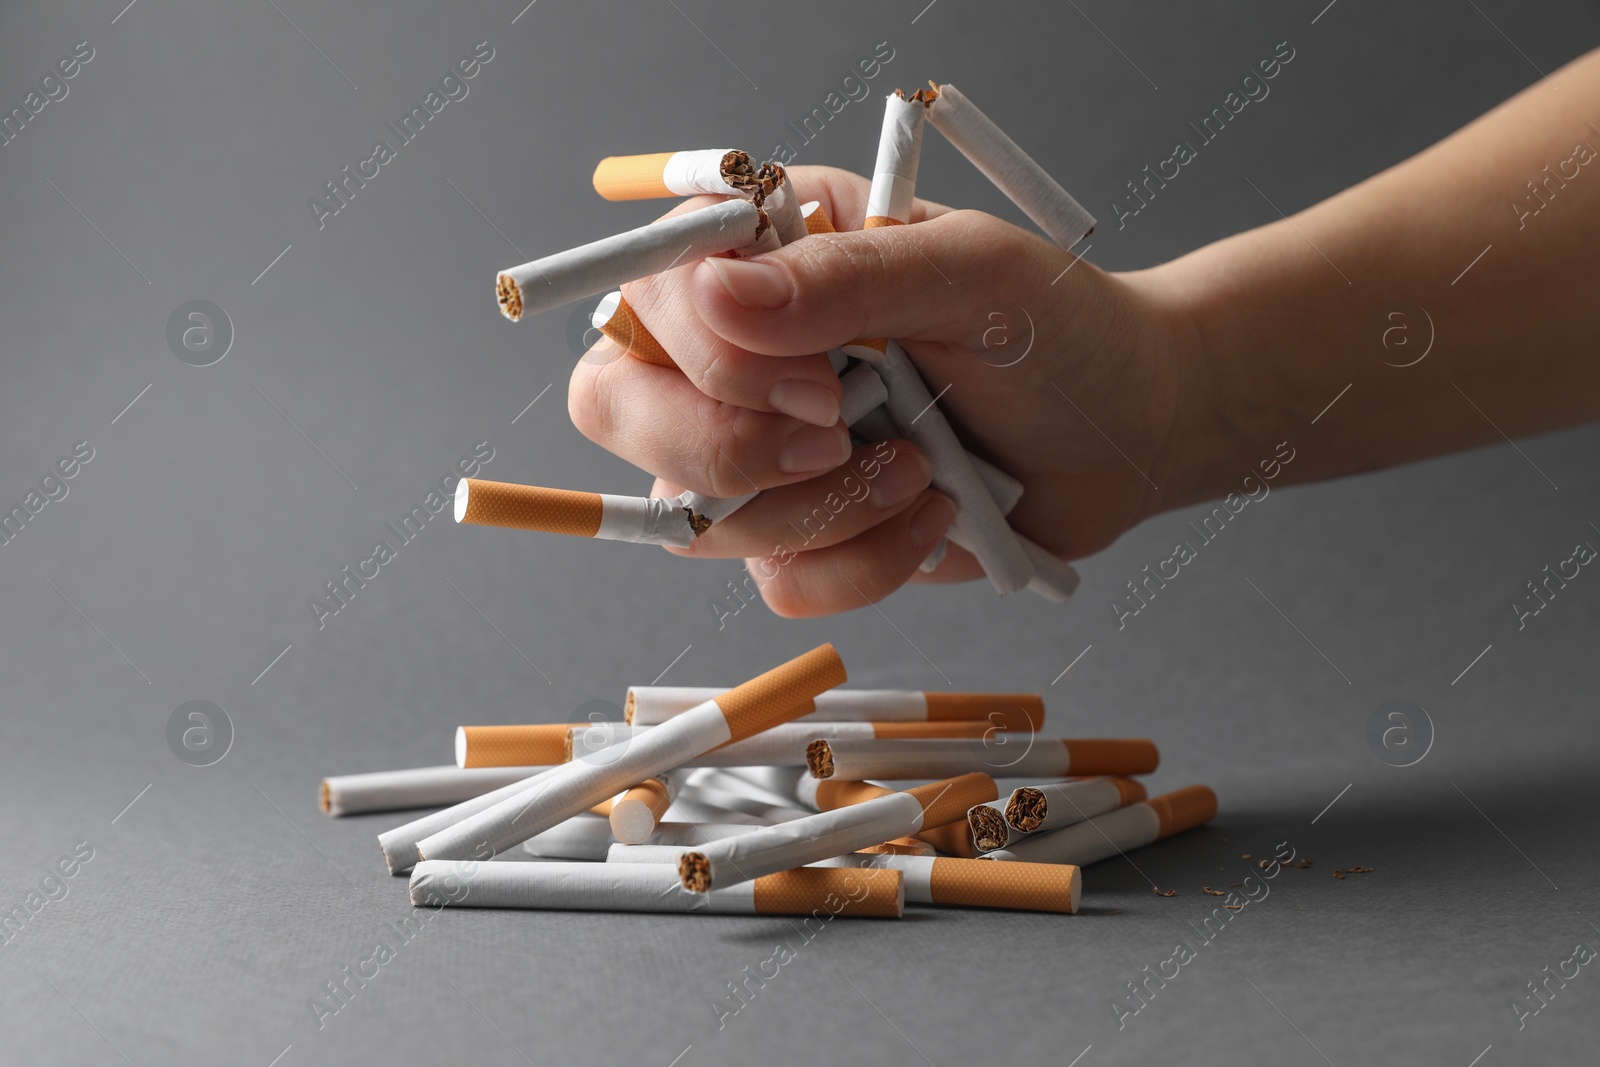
column 1288, row 315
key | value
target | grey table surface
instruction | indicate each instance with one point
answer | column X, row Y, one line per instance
column 366, row 360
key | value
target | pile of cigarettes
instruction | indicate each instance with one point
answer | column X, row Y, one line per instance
column 767, row 798
column 883, row 395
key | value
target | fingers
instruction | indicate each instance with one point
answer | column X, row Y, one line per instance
column 656, row 419
column 857, row 572
column 879, row 482
column 802, row 386
column 898, row 281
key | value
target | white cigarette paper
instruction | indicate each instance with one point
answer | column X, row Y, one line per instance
column 591, row 269
column 1013, row 171
column 780, row 746
column 830, row 833
column 399, row 845
column 773, row 697
column 652, row 888
column 979, row 526
column 588, row 837
column 1046, row 806
column 774, row 785
column 418, row 787
column 649, row 705
column 876, row 425
column 894, row 175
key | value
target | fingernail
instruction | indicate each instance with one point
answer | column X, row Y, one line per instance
column 814, row 448
column 930, row 521
column 899, row 480
column 752, row 283
column 806, row 401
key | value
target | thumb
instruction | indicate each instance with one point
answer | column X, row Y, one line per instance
column 894, row 281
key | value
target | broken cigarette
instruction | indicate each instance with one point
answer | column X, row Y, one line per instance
column 605, row 264
column 1013, row 171
column 662, row 174
column 780, row 746
column 966, row 883
column 759, row 704
column 654, row 888
column 544, row 744
column 894, row 175
column 1118, row 831
column 636, row 813
column 647, row 705
column 899, row 759
column 1034, row 808
column 981, row 527
column 641, row 519
column 419, row 787
column 832, row 833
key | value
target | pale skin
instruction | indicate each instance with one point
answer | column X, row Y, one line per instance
column 1143, row 391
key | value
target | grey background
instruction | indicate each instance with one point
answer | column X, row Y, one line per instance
column 220, row 901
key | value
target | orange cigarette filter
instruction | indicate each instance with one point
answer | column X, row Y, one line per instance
column 615, row 318
column 866, row 893
column 543, row 745
column 901, row 846
column 970, row 883
column 532, row 507
column 783, row 693
column 1006, row 711
column 1184, row 809
column 638, row 177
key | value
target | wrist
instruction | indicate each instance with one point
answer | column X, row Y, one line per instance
column 1217, row 415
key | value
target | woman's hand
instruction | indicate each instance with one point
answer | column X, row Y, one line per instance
column 1090, row 388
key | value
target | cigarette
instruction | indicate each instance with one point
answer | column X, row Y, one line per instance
column 399, row 845
column 636, row 813
column 591, row 269
column 650, row 887
column 1012, row 170
column 1116, row 832
column 649, row 705
column 615, row 318
column 952, row 839
column 641, row 519
column 966, row 883
column 759, row 704
column 660, row 852
column 1032, row 809
column 979, row 527
column 419, row 787
column 894, row 176
column 544, row 744
column 832, row 833
column 901, row 758
column 692, row 810
column 780, row 746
